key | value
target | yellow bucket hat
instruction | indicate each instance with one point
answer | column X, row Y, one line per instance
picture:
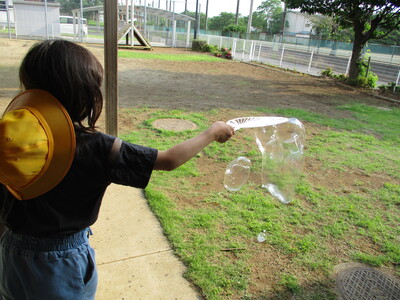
column 37, row 144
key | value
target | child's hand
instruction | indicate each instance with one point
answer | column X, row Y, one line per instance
column 221, row 131
column 179, row 154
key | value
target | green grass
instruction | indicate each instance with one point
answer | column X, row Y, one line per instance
column 324, row 225
column 366, row 119
column 170, row 57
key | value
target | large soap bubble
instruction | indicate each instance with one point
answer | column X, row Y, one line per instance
column 281, row 143
column 236, row 174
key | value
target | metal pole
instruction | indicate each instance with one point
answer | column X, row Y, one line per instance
column 391, row 58
column 8, row 19
column 46, row 19
column 234, row 48
column 309, row 65
column 188, row 34
column 132, row 23
column 173, row 26
column 259, row 52
column 206, row 14
column 81, row 21
column 283, row 21
column 283, row 50
column 197, row 20
column 126, row 11
column 199, row 23
column 251, row 51
column 397, row 82
column 368, row 64
column 244, row 46
column 250, row 17
column 348, row 66
column 145, row 19
column 237, row 13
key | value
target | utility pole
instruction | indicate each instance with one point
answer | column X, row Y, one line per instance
column 250, row 17
column 283, row 21
column 206, row 14
column 237, row 13
column 197, row 20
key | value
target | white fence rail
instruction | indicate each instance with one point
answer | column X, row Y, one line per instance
column 306, row 59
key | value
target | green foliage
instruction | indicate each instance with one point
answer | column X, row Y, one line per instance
column 274, row 13
column 393, row 38
column 290, row 282
column 223, row 52
column 204, row 47
column 219, row 22
column 365, row 79
column 202, row 18
column 235, row 28
column 326, row 28
column 368, row 19
column 364, row 118
column 327, row 72
column 259, row 20
column 328, row 221
column 67, row 5
column 390, row 87
column 161, row 56
column 198, row 45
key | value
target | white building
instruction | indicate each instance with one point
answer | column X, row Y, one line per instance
column 31, row 18
column 298, row 24
column 3, row 14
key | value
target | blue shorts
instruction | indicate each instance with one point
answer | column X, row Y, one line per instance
column 45, row 268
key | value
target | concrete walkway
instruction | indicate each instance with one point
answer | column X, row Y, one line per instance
column 134, row 259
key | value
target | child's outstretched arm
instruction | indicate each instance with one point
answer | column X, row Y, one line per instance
column 179, row 154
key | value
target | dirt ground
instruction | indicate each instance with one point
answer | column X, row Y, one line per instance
column 232, row 87
column 201, row 85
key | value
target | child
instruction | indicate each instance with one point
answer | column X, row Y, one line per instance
column 44, row 253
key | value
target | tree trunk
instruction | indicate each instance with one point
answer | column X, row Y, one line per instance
column 359, row 42
column 354, row 62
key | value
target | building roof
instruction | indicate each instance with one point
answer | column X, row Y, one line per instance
column 149, row 10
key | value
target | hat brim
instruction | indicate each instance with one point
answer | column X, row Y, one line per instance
column 61, row 137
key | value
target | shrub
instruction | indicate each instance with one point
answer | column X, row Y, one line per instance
column 364, row 79
column 199, row 45
column 202, row 46
column 235, row 28
column 327, row 72
column 390, row 87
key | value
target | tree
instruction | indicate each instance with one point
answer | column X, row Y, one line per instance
column 235, row 28
column 67, row 5
column 219, row 22
column 369, row 19
column 274, row 15
column 326, row 28
column 259, row 20
column 202, row 18
column 392, row 38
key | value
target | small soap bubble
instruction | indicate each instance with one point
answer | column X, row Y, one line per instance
column 236, row 174
column 262, row 236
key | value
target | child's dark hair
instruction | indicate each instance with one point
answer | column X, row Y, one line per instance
column 69, row 72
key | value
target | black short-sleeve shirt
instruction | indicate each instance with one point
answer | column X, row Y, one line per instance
column 75, row 202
